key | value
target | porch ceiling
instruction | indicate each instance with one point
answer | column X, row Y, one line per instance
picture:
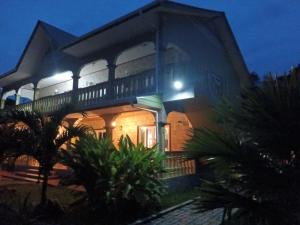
column 118, row 33
column 128, row 27
column 104, row 111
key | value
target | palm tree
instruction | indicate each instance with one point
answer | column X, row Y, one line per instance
column 41, row 138
column 255, row 158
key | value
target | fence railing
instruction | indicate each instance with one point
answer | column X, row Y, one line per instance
column 25, row 106
column 52, row 103
column 177, row 164
column 93, row 96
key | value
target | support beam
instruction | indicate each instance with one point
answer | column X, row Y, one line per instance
column 161, row 122
column 159, row 48
column 111, row 76
column 75, row 78
column 2, row 103
column 18, row 99
column 109, row 119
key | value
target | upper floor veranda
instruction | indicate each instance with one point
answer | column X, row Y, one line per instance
column 165, row 48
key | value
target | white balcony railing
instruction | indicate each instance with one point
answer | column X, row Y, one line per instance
column 93, row 96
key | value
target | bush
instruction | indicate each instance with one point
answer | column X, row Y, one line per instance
column 120, row 182
column 255, row 156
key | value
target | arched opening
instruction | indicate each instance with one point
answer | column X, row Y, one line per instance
column 138, row 125
column 179, row 129
column 93, row 73
column 97, row 123
column 136, row 60
column 54, row 85
column 26, row 93
column 8, row 99
column 176, row 63
column 25, row 161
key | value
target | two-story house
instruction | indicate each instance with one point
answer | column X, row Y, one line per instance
column 152, row 74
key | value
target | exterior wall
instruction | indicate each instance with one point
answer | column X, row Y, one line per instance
column 135, row 67
column 180, row 129
column 128, row 123
column 97, row 123
column 93, row 73
column 210, row 70
column 55, row 89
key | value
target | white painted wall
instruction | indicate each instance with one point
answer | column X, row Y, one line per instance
column 93, row 73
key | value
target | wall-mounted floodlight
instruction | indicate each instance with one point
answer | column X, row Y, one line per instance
column 114, row 124
column 178, row 85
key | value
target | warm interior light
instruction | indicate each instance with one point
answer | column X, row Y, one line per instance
column 114, row 124
column 62, row 76
column 178, row 85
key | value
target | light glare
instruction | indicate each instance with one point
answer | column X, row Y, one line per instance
column 178, row 85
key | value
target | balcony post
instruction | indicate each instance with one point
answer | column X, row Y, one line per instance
column 18, row 98
column 75, row 78
column 160, row 123
column 2, row 101
column 158, row 54
column 109, row 126
column 35, row 92
column 111, row 76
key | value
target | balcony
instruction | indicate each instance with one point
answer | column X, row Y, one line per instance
column 100, row 95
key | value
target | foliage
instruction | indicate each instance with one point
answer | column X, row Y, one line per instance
column 119, row 182
column 255, row 156
column 39, row 136
column 19, row 210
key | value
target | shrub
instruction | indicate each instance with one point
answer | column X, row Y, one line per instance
column 118, row 182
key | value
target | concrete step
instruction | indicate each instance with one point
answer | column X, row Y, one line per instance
column 33, row 175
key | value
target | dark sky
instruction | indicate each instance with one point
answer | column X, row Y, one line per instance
column 267, row 31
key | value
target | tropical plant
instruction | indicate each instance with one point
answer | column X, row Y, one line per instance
column 38, row 135
column 116, row 180
column 255, row 156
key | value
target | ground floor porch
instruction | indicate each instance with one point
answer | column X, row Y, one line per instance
column 143, row 126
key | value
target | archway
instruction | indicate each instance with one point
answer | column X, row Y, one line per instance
column 26, row 93
column 140, row 126
column 179, row 128
column 8, row 99
column 54, row 85
column 93, row 73
column 135, row 60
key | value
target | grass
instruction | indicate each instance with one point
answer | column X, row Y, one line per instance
column 66, row 196
column 60, row 194
column 176, row 197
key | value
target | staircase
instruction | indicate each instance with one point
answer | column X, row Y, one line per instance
column 29, row 174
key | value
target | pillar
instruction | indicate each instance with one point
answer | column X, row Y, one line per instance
column 111, row 76
column 35, row 95
column 2, row 103
column 18, row 98
column 109, row 119
column 161, row 119
column 75, row 78
column 158, row 54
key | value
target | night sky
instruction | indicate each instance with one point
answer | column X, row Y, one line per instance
column 267, row 31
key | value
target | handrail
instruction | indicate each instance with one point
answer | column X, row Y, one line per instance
column 93, row 96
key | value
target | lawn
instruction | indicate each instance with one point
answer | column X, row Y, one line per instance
column 18, row 194
column 66, row 196
column 60, row 194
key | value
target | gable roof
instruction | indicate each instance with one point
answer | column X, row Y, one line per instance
column 51, row 35
column 60, row 37
column 69, row 44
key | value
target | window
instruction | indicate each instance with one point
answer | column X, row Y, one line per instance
column 147, row 135
column 101, row 134
column 167, row 137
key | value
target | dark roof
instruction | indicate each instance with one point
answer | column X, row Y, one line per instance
column 60, row 37
column 137, row 12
